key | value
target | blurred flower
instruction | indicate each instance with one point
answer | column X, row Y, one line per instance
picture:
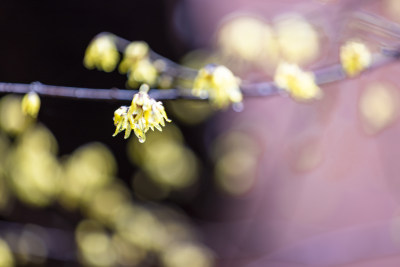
column 102, row 54
column 167, row 165
column 378, row 106
column 142, row 71
column 6, row 257
column 246, row 41
column 94, row 244
column 300, row 84
column 134, row 52
column 187, row 254
column 248, row 38
column 143, row 114
column 12, row 119
column 219, row 84
column 165, row 81
column 106, row 202
column 142, row 228
column 31, row 104
column 298, row 40
column 355, row 57
column 88, row 170
column 33, row 170
column 137, row 64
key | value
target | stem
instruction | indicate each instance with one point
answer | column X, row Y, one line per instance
column 323, row 76
column 326, row 75
column 113, row 94
column 172, row 68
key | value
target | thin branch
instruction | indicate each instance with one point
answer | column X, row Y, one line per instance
column 113, row 94
column 173, row 69
column 324, row 76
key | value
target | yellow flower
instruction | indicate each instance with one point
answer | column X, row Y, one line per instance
column 138, row 65
column 300, row 84
column 102, row 54
column 31, row 104
column 143, row 114
column 297, row 38
column 355, row 57
column 134, row 52
column 143, row 71
column 219, row 84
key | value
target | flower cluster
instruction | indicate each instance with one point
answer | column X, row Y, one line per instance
column 138, row 65
column 143, row 114
column 31, row 104
column 218, row 84
column 102, row 54
column 355, row 57
column 300, row 84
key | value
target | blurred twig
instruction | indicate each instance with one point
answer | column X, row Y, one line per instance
column 173, row 69
column 60, row 244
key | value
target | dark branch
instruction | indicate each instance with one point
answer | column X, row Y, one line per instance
column 172, row 68
column 323, row 76
column 326, row 75
column 112, row 94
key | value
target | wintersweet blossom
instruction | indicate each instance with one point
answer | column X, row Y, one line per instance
column 142, row 71
column 134, row 52
column 102, row 54
column 298, row 83
column 138, row 65
column 31, row 104
column 218, row 84
column 143, row 114
column 355, row 57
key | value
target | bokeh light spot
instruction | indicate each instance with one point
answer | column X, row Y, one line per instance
column 378, row 106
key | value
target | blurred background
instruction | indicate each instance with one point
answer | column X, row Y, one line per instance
column 280, row 183
column 64, row 179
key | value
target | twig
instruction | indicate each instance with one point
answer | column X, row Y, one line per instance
column 113, row 94
column 326, row 75
column 173, row 69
